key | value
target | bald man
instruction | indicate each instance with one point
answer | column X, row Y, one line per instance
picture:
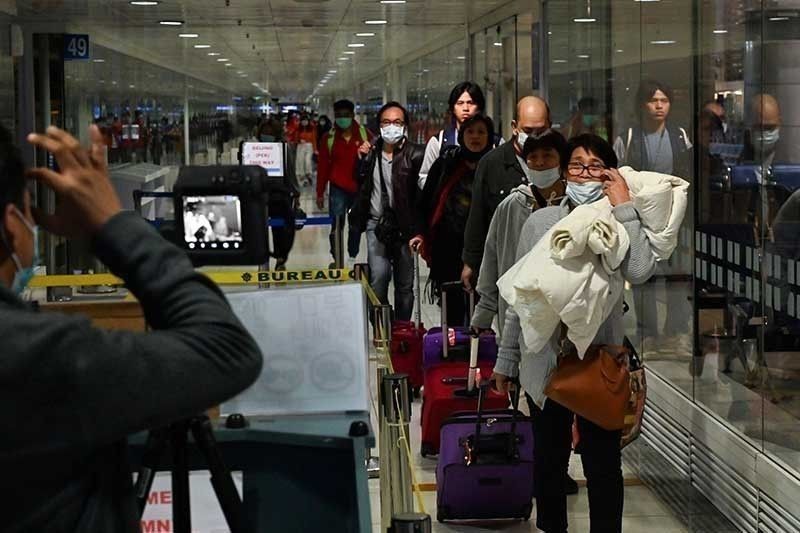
column 761, row 139
column 498, row 173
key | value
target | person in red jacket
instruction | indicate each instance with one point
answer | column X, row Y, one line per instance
column 337, row 165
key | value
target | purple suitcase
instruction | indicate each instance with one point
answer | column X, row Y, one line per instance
column 493, row 479
column 434, row 352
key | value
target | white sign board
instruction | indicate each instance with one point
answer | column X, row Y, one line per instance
column 207, row 515
column 266, row 155
column 314, row 341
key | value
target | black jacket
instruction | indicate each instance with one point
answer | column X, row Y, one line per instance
column 406, row 163
column 74, row 392
column 636, row 155
column 498, row 173
column 428, row 198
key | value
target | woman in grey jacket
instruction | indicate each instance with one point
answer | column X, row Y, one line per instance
column 589, row 165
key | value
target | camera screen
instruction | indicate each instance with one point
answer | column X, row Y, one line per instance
column 212, row 222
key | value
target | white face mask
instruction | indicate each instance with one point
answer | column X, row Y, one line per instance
column 543, row 178
column 393, row 134
column 522, row 137
column 584, row 193
column 764, row 141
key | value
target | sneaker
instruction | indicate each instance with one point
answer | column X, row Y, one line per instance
column 571, row 486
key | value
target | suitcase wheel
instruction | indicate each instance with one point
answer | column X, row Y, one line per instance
column 425, row 450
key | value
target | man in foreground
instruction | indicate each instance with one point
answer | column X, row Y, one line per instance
column 75, row 392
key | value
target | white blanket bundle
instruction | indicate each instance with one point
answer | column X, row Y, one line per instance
column 572, row 274
column 661, row 201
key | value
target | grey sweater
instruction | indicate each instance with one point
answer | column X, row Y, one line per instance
column 534, row 369
column 500, row 254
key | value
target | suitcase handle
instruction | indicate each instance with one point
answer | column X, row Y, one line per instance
column 447, row 287
column 512, row 436
column 417, row 300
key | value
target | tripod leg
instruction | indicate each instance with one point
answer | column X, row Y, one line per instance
column 153, row 452
column 181, row 513
column 221, row 478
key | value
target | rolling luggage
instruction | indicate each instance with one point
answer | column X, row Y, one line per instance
column 407, row 338
column 447, row 386
column 485, row 467
column 435, row 351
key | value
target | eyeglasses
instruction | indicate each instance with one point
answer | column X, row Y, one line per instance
column 576, row 169
column 397, row 122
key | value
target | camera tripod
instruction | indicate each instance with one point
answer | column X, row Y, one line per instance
column 176, row 437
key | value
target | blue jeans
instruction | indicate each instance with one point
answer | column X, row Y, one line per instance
column 339, row 203
column 384, row 262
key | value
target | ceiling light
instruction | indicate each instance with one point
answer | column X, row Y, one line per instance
column 356, row 45
column 171, row 22
column 144, row 2
column 350, row 53
column 620, row 50
column 663, row 42
column 461, row 57
column 498, row 43
column 583, row 56
column 132, row 86
column 376, row 22
column 228, row 64
column 559, row 61
column 99, row 60
column 332, row 71
column 212, row 54
column 202, row 46
column 365, row 34
column 223, row 60
column 188, row 35
column 344, row 59
column 720, row 32
column 646, row 0
column 393, row 1
column 584, row 20
column 778, row 19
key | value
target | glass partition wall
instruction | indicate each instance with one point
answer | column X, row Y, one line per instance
column 720, row 321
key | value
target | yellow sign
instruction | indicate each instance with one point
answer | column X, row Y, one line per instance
column 220, row 277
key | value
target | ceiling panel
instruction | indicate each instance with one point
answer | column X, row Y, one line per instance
column 286, row 46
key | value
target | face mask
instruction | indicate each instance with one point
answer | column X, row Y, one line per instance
column 23, row 275
column 764, row 141
column 344, row 123
column 266, row 138
column 393, row 134
column 589, row 120
column 543, row 178
column 584, row 193
column 522, row 137
column 304, row 123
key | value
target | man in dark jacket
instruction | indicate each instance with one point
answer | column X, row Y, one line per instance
column 498, row 173
column 74, row 391
column 388, row 174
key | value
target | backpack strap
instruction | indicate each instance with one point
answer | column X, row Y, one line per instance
column 628, row 144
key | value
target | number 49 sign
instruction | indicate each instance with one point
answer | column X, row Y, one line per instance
column 76, row 47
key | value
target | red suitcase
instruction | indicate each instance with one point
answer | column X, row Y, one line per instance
column 406, row 346
column 440, row 400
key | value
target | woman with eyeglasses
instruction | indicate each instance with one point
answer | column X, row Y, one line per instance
column 589, row 166
column 444, row 204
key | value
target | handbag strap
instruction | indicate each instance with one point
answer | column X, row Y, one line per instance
column 384, row 191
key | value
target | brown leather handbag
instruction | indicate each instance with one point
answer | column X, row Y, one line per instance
column 596, row 387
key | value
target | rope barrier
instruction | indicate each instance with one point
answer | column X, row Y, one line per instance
column 407, row 448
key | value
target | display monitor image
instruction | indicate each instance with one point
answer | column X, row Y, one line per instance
column 212, row 222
